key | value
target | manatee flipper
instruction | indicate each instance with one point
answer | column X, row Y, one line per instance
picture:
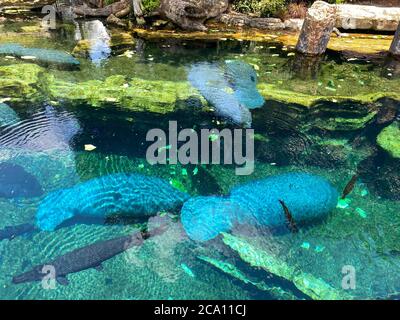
column 63, row 280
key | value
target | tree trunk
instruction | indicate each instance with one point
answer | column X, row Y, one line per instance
column 317, row 29
column 395, row 47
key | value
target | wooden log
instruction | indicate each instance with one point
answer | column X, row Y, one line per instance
column 395, row 47
column 317, row 29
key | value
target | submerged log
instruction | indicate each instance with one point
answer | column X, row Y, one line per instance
column 317, row 29
column 395, row 47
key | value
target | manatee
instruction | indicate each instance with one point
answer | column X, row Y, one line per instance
column 41, row 55
column 309, row 197
column 15, row 182
column 131, row 194
column 243, row 80
column 7, row 115
column 45, row 130
column 230, row 88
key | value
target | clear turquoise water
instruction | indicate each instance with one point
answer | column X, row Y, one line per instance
column 48, row 142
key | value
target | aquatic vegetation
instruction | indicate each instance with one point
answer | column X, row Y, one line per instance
column 389, row 140
column 257, row 203
column 231, row 89
column 310, row 285
column 135, row 94
column 135, row 195
column 232, row 270
column 7, row 115
column 42, row 55
column 21, row 82
column 15, row 182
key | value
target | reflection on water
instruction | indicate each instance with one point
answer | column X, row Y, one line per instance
column 301, row 125
column 98, row 39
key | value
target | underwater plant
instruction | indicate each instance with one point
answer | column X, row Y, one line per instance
column 134, row 195
column 257, row 203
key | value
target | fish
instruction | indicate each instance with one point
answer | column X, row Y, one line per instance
column 350, row 186
column 289, row 217
column 10, row 232
column 90, row 256
column 16, row 182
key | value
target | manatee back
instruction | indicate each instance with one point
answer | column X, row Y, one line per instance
column 307, row 196
column 132, row 194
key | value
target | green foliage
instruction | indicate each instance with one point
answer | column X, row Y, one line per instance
column 261, row 7
column 150, row 5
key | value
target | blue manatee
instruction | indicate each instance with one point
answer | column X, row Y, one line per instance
column 7, row 115
column 308, row 197
column 243, row 80
column 230, row 88
column 132, row 194
column 42, row 55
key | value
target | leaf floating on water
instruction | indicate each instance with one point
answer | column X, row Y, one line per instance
column 89, row 147
column 343, row 203
column 305, row 245
column 361, row 212
column 187, row 270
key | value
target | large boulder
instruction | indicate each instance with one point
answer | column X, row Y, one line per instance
column 191, row 15
column 389, row 140
column 351, row 16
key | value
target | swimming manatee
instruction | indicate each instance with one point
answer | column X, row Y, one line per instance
column 130, row 194
column 38, row 54
column 229, row 87
column 258, row 203
column 16, row 182
column 7, row 115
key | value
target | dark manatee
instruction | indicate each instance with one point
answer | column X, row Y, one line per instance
column 129, row 194
column 15, row 182
column 258, row 203
column 230, row 88
column 41, row 55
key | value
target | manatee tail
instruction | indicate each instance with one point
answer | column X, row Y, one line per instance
column 10, row 232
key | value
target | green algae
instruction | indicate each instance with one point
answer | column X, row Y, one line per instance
column 22, row 82
column 135, row 94
column 389, row 140
column 232, row 270
column 310, row 285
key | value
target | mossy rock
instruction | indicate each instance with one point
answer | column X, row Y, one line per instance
column 134, row 94
column 22, row 81
column 150, row 5
column 389, row 140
